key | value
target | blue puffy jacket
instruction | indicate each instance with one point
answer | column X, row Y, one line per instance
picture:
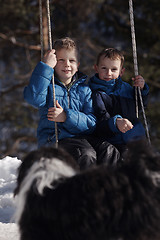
column 116, row 99
column 76, row 102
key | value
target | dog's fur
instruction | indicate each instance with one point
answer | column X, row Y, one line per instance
column 57, row 202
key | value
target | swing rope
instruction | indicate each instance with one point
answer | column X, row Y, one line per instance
column 136, row 69
column 41, row 28
column 50, row 47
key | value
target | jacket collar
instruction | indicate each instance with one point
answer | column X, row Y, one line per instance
column 79, row 77
column 107, row 86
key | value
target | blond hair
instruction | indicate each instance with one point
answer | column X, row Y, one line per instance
column 66, row 43
column 111, row 53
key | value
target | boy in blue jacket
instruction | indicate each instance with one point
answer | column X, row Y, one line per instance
column 114, row 100
column 73, row 112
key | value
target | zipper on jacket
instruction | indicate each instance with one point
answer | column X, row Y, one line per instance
column 68, row 89
column 68, row 97
column 68, row 92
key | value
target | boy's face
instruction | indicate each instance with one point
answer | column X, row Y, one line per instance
column 67, row 65
column 108, row 69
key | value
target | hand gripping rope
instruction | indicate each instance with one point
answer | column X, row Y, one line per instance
column 136, row 69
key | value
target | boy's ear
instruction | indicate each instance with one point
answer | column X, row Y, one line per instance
column 122, row 72
column 96, row 67
column 78, row 64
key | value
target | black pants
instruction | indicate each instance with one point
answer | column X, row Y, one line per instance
column 88, row 151
column 105, row 151
column 80, row 149
column 123, row 150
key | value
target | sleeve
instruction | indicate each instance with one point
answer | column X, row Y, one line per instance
column 83, row 122
column 145, row 94
column 103, row 107
column 145, row 90
column 36, row 91
column 130, row 91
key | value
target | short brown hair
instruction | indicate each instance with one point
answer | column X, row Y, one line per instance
column 111, row 53
column 66, row 43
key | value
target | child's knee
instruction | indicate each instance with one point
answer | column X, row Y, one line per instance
column 88, row 157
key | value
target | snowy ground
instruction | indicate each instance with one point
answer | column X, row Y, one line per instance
column 8, row 174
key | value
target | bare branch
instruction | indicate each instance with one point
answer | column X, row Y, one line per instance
column 18, row 85
column 153, row 83
column 24, row 45
column 12, row 88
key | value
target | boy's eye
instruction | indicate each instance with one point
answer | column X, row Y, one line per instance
column 114, row 69
column 61, row 60
column 72, row 60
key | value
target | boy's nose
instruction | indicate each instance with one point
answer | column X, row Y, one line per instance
column 108, row 71
column 67, row 62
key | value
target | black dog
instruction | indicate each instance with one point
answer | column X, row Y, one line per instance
column 57, row 202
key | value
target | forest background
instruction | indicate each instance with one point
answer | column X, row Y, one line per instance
column 95, row 24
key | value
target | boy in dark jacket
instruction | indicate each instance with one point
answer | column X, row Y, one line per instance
column 114, row 100
column 73, row 112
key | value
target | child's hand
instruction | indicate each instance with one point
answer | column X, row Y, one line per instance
column 50, row 58
column 56, row 114
column 123, row 124
column 138, row 81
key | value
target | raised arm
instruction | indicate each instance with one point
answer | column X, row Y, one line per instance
column 36, row 91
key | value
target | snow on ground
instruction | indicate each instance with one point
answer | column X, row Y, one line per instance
column 8, row 175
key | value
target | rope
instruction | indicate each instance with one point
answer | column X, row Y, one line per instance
column 49, row 24
column 41, row 28
column 134, row 50
column 136, row 69
column 50, row 47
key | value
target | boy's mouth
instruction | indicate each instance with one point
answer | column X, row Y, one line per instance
column 107, row 79
column 66, row 71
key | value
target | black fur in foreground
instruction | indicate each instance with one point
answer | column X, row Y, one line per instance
column 57, row 202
